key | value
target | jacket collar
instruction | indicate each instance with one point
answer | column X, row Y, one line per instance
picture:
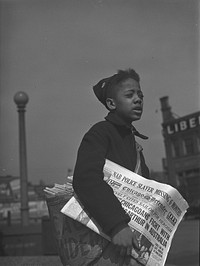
column 115, row 119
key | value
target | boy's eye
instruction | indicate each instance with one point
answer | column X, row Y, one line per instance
column 132, row 93
column 140, row 94
column 129, row 95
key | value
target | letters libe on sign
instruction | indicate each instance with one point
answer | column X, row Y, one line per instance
column 182, row 125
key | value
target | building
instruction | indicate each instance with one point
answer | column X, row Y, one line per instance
column 9, row 189
column 182, row 147
column 10, row 199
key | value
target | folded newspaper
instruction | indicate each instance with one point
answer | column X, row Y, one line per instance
column 155, row 209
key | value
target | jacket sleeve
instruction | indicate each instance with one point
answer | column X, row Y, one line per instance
column 95, row 194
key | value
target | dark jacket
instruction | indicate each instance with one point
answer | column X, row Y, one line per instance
column 113, row 140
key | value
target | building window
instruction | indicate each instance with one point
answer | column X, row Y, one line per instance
column 175, row 148
column 192, row 172
column 188, row 146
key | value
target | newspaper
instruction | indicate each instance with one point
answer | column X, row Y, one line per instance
column 58, row 190
column 155, row 209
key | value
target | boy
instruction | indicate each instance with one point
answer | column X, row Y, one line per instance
column 112, row 139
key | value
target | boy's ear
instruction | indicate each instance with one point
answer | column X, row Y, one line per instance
column 110, row 103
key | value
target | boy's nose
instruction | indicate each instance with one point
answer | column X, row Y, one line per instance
column 137, row 99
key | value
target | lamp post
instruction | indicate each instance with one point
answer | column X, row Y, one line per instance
column 21, row 99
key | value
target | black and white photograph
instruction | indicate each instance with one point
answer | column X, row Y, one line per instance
column 83, row 82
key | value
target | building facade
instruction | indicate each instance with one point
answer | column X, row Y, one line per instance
column 10, row 199
column 182, row 147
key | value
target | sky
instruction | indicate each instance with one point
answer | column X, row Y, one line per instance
column 56, row 51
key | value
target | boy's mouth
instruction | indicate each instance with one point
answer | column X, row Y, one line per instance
column 137, row 110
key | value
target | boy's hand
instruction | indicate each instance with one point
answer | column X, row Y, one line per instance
column 125, row 240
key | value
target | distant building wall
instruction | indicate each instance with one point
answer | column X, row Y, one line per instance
column 182, row 147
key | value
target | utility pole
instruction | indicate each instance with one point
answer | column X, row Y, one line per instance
column 21, row 99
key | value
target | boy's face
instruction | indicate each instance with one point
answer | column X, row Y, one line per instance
column 128, row 100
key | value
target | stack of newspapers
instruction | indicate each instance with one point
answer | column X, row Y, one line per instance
column 60, row 190
column 155, row 210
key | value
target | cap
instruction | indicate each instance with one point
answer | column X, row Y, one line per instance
column 102, row 87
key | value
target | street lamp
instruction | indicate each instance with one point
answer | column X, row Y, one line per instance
column 21, row 99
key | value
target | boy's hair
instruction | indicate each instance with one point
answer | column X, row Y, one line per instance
column 105, row 88
column 121, row 76
column 125, row 74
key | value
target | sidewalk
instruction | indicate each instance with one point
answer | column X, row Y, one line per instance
column 37, row 261
column 41, row 261
column 183, row 252
column 31, row 261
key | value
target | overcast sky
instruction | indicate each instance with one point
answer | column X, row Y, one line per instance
column 55, row 51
